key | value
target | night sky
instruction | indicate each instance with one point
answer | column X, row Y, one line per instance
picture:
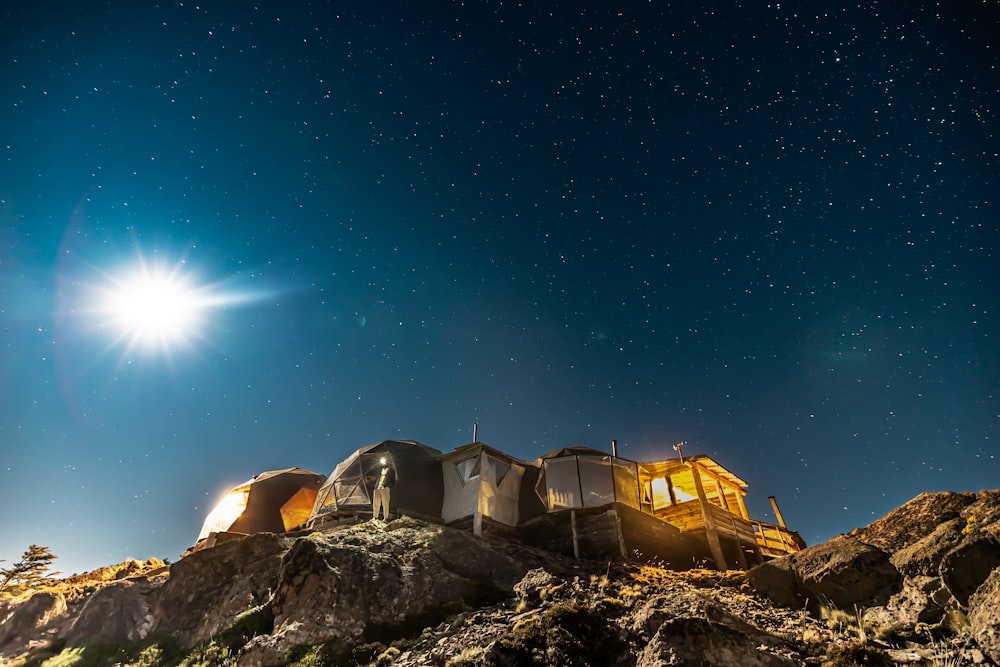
column 769, row 231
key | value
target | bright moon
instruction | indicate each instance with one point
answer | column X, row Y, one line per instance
column 154, row 307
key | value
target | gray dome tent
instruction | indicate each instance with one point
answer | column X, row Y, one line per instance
column 419, row 489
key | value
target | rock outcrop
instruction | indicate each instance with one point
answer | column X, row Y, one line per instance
column 47, row 618
column 925, row 560
column 914, row 587
column 843, row 572
column 984, row 615
column 117, row 614
column 32, row 620
column 374, row 579
column 208, row 590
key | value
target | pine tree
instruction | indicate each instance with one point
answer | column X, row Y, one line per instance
column 30, row 571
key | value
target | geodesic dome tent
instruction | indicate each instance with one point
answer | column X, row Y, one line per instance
column 272, row 502
column 419, row 489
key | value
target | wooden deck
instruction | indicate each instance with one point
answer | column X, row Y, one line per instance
column 726, row 537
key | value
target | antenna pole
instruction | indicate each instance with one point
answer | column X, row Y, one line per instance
column 475, row 431
column 678, row 447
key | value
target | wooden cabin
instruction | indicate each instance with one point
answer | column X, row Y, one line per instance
column 679, row 512
column 705, row 501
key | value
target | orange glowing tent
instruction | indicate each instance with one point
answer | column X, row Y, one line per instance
column 272, row 502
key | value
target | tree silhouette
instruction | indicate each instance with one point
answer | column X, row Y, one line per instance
column 30, row 571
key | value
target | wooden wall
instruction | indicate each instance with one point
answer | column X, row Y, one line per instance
column 648, row 539
column 615, row 531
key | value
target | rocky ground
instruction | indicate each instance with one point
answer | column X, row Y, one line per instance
column 920, row 586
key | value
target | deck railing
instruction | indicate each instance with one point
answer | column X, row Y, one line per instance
column 775, row 537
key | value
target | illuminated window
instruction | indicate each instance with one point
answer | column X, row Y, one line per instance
column 661, row 495
column 683, row 496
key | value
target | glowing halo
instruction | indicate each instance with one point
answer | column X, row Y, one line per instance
column 156, row 307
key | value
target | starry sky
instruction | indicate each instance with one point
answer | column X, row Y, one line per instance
column 768, row 230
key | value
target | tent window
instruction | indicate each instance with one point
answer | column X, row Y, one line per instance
column 500, row 470
column 626, row 474
column 541, row 488
column 351, row 491
column 467, row 469
column 596, row 480
column 563, row 482
column 326, row 498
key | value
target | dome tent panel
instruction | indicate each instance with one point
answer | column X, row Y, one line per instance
column 256, row 506
column 418, row 487
column 226, row 511
column 297, row 510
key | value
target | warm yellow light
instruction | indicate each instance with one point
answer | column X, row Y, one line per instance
column 683, row 497
column 661, row 495
column 226, row 512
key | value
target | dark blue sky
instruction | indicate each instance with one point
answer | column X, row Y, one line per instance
column 770, row 231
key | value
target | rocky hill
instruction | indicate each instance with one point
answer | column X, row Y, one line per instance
column 920, row 586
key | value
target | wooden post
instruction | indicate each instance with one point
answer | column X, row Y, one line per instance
column 740, row 556
column 670, row 491
column 711, row 533
column 758, row 553
column 777, row 512
column 621, row 535
column 576, row 542
column 477, row 518
column 742, row 503
column 477, row 523
column 721, row 490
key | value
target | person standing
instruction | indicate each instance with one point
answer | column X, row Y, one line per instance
column 386, row 478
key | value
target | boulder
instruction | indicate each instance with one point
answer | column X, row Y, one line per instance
column 842, row 571
column 922, row 599
column 535, row 585
column 359, row 582
column 778, row 581
column 984, row 616
column 690, row 641
column 30, row 620
column 209, row 589
column 923, row 557
column 117, row 614
column 964, row 568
